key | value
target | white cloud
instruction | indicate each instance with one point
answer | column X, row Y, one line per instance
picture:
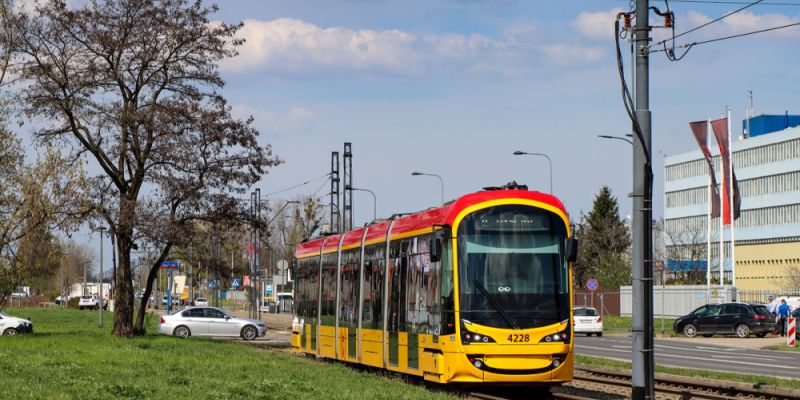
column 597, row 25
column 292, row 45
column 288, row 46
column 296, row 119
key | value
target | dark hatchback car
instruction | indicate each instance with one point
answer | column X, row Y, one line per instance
column 740, row 319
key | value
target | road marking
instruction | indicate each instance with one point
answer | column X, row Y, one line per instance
column 719, row 360
column 711, row 351
column 604, row 349
column 683, row 357
column 721, row 348
column 750, row 356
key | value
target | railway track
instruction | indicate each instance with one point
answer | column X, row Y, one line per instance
column 590, row 383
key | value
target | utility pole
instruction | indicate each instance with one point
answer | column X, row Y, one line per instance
column 100, row 298
column 642, row 327
column 257, row 292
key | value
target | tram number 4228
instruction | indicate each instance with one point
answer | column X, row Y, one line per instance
column 515, row 338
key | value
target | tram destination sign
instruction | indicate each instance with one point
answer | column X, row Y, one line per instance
column 513, row 222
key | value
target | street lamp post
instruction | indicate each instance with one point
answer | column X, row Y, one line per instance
column 618, row 138
column 374, row 201
column 441, row 181
column 549, row 163
column 100, row 299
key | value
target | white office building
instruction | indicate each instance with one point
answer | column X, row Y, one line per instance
column 767, row 234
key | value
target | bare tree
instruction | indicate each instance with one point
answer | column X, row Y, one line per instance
column 686, row 247
column 133, row 85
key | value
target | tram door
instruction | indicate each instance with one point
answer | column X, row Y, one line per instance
column 397, row 301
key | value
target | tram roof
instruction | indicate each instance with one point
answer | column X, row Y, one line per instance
column 420, row 222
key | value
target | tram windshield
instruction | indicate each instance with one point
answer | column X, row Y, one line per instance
column 512, row 267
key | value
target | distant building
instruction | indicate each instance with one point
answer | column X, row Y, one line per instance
column 767, row 234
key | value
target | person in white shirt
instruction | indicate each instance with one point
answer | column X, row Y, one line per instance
column 773, row 309
column 773, row 305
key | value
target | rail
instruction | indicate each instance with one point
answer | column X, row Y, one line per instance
column 602, row 383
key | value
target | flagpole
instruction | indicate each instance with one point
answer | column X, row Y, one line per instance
column 708, row 231
column 730, row 202
column 722, row 226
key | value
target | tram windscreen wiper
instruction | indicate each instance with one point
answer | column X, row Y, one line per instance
column 494, row 304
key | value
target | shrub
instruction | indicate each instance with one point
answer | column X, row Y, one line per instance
column 73, row 302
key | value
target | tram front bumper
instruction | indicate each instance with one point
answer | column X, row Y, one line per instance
column 552, row 366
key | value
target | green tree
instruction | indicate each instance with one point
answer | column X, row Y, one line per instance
column 134, row 86
column 605, row 240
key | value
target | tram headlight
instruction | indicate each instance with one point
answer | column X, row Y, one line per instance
column 468, row 337
column 558, row 337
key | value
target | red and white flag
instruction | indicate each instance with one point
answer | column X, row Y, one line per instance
column 729, row 183
column 700, row 132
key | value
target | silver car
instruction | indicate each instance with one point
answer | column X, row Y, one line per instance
column 209, row 321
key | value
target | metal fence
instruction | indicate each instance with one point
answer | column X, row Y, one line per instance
column 674, row 301
column 792, row 296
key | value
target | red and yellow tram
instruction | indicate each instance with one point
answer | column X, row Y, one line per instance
column 478, row 290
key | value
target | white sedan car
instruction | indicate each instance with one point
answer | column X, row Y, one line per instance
column 587, row 320
column 12, row 325
column 209, row 321
column 201, row 301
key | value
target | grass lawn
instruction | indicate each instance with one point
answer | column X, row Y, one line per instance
column 617, row 324
column 69, row 357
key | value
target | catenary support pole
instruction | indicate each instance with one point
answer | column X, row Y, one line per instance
column 642, row 329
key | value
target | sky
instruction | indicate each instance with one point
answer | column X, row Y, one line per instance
column 454, row 87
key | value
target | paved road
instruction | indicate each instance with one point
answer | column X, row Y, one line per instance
column 698, row 355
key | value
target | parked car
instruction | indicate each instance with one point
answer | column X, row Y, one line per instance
column 740, row 319
column 12, row 325
column 209, row 321
column 588, row 320
column 61, row 299
column 201, row 301
column 91, row 301
column 175, row 300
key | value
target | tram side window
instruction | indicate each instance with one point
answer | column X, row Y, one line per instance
column 350, row 287
column 398, row 270
column 373, row 286
column 422, row 288
column 328, row 311
column 412, row 287
column 307, row 287
column 430, row 307
column 445, row 270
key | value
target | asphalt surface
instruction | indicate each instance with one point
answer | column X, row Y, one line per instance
column 724, row 354
column 704, row 355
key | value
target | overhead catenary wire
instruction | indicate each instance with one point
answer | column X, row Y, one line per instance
column 298, row 185
column 674, row 36
column 724, row 2
column 690, row 45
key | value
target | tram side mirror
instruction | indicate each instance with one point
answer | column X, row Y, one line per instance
column 436, row 249
column 572, row 250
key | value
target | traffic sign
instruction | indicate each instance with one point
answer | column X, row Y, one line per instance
column 235, row 283
column 592, row 284
column 283, row 264
column 169, row 265
column 268, row 290
column 212, row 284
